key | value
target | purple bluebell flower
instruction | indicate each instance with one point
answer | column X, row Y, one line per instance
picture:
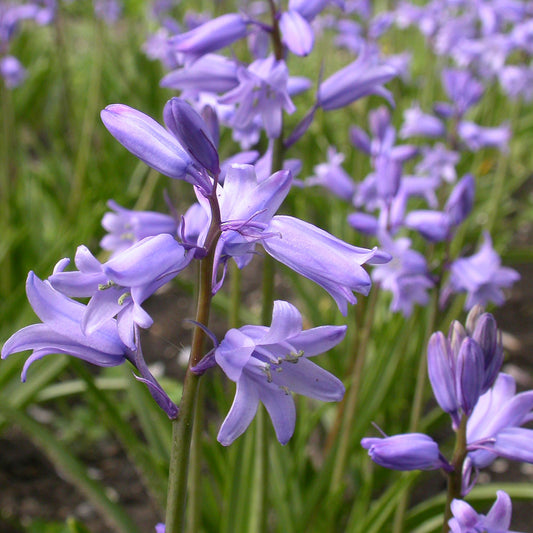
column 432, row 225
column 262, row 90
column 126, row 227
column 297, row 34
column 517, row 81
column 192, row 133
column 477, row 137
column 365, row 76
column 211, row 73
column 408, row 451
column 120, row 286
column 461, row 200
column 62, row 331
column 467, row 520
column 406, row 276
column 268, row 363
column 493, row 428
column 321, row 257
column 438, row 161
column 465, row 364
column 12, row 71
column 332, row 176
column 160, row 528
column 419, row 124
column 211, row 36
column 462, row 89
column 481, row 276
column 153, row 144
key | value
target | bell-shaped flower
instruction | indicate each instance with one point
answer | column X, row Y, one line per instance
column 365, row 76
column 120, row 286
column 316, row 254
column 406, row 276
column 211, row 73
column 61, row 331
column 192, row 133
column 493, row 428
column 297, row 34
column 153, row 144
column 246, row 208
column 408, row 451
column 462, row 89
column 268, row 363
column 262, row 91
column 126, row 227
column 466, row 520
column 461, row 200
column 481, row 276
column 419, row 124
column 333, row 177
column 12, row 71
column 477, row 137
column 210, row 36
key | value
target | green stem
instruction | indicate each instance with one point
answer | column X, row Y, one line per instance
column 455, row 478
column 359, row 351
column 195, row 489
column 182, row 427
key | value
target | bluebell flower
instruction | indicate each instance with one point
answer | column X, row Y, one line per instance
column 467, row 520
column 62, row 331
column 408, row 451
column 126, row 227
column 365, row 76
column 12, row 71
column 494, row 427
column 263, row 91
column 416, row 123
column 481, row 276
column 211, row 73
column 210, row 36
column 406, row 276
column 120, row 286
column 268, row 363
column 465, row 364
column 477, row 137
column 153, row 144
column 333, row 177
column 316, row 254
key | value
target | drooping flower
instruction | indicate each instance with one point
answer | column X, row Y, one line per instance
column 365, row 76
column 262, row 91
column 467, row 520
column 316, row 254
column 406, row 276
column 268, row 363
column 153, row 144
column 481, row 276
column 408, row 451
column 62, row 331
column 210, row 36
column 120, row 286
column 126, row 226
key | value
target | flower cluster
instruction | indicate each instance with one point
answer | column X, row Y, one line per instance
column 464, row 371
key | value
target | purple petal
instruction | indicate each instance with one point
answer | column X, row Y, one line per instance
column 234, row 352
column 147, row 140
column 280, row 407
column 296, row 33
column 241, row 413
column 286, row 323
